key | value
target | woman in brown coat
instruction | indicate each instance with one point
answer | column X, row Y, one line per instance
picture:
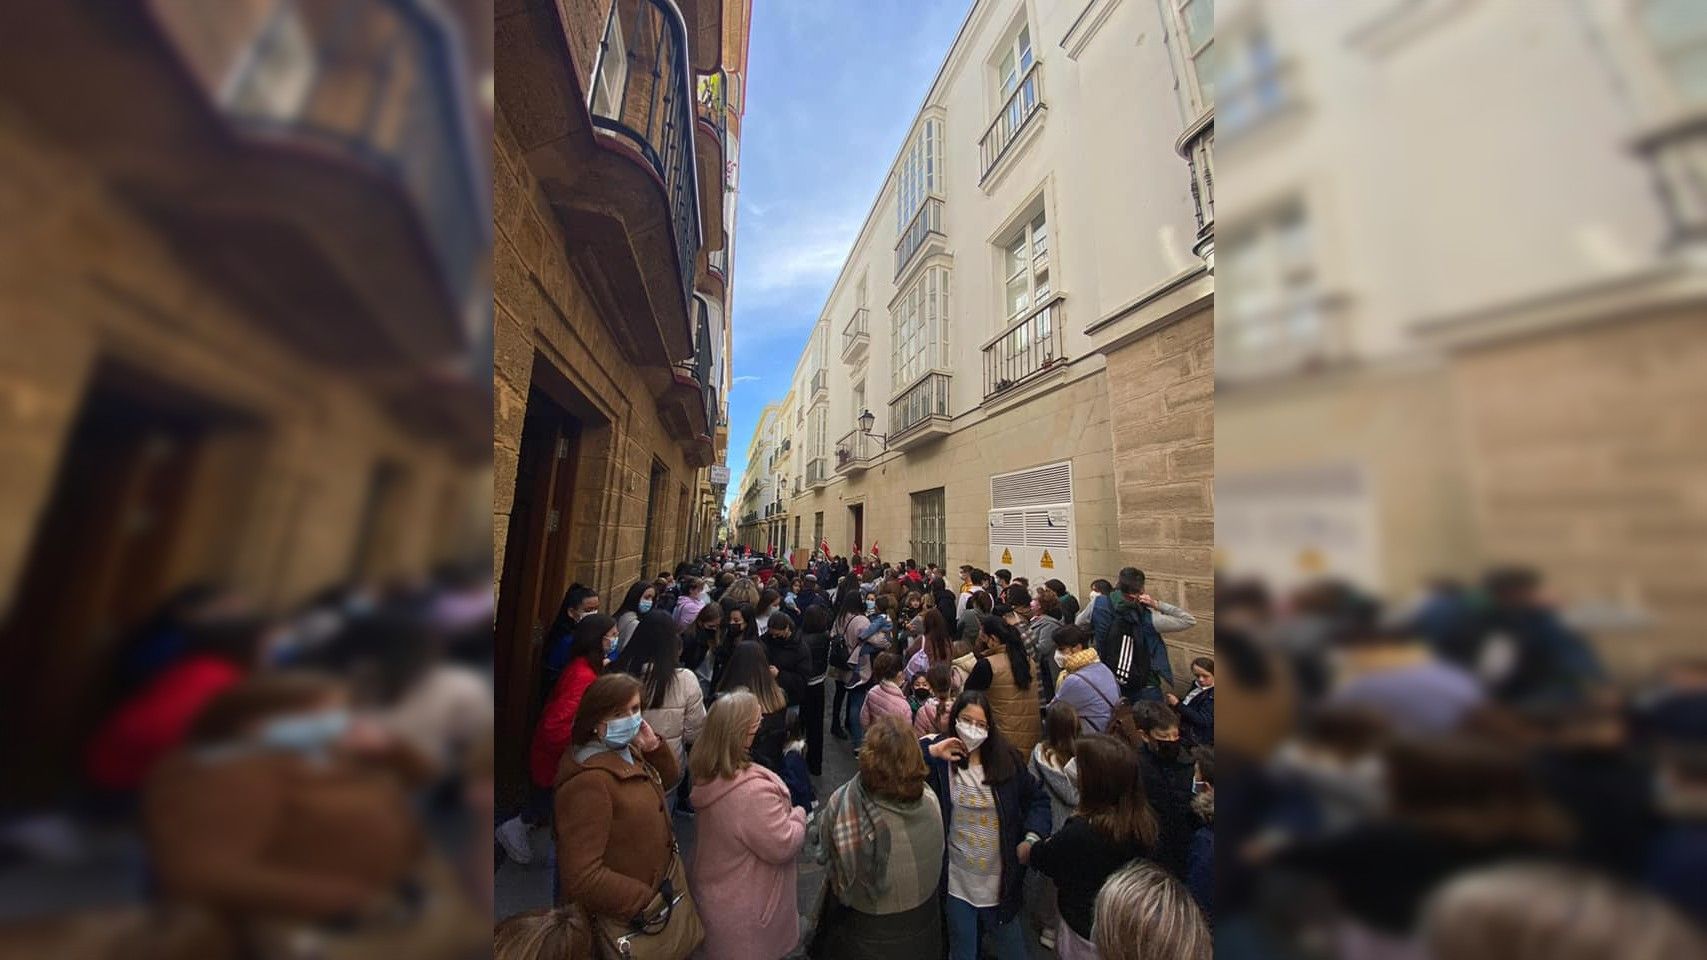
column 1004, row 673
column 281, row 813
column 614, row 843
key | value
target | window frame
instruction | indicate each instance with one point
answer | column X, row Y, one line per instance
column 918, row 327
column 929, row 507
column 1030, row 264
column 1191, row 52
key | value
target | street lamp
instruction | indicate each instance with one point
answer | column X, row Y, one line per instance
column 865, row 421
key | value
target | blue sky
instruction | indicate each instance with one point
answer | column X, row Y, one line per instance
column 832, row 86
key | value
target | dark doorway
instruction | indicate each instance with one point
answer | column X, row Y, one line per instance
column 856, row 523
column 535, row 552
column 102, row 560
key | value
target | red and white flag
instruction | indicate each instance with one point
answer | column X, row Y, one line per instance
column 824, row 547
column 874, row 554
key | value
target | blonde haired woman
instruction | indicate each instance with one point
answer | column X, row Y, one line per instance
column 1142, row 913
column 742, row 591
column 1542, row 911
column 743, row 874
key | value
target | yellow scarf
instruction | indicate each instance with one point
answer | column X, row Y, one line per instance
column 1078, row 661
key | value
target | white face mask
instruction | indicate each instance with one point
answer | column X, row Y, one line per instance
column 1071, row 771
column 1060, row 660
column 970, row 735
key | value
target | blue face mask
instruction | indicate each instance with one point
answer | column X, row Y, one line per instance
column 305, row 732
column 870, row 605
column 645, row 606
column 622, row 730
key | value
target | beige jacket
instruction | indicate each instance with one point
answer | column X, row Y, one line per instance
column 682, row 716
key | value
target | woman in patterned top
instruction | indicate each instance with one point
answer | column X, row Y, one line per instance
column 993, row 810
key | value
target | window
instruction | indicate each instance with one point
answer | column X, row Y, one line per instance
column 919, row 325
column 817, row 529
column 1254, row 88
column 1025, row 266
column 930, row 528
column 1678, row 31
column 819, row 416
column 1016, row 60
column 611, row 83
column 858, row 399
column 1275, row 302
column 920, row 176
column 1197, row 25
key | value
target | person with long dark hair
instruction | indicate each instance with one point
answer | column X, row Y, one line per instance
column 849, row 622
column 737, row 629
column 1004, row 672
column 1112, row 826
column 815, row 633
column 670, row 699
column 993, row 811
column 750, row 670
column 937, row 646
column 636, row 604
column 943, row 599
column 578, row 601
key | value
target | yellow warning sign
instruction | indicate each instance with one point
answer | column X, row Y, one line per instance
column 1048, row 562
column 1006, row 556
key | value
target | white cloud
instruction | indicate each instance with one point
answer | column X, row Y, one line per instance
column 743, row 380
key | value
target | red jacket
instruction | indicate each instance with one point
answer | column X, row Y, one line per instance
column 551, row 736
column 155, row 721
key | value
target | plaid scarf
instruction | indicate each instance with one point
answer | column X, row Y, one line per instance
column 854, row 840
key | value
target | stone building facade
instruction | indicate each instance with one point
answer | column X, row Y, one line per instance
column 201, row 384
column 613, row 199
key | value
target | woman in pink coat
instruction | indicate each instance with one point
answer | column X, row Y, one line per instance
column 742, row 874
column 885, row 698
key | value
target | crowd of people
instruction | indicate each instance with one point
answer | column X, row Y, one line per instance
column 1457, row 777
column 296, row 778
column 1028, row 770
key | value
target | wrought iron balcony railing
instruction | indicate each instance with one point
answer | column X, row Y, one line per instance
column 855, row 335
column 815, row 475
column 854, row 450
column 643, row 91
column 1675, row 155
column 373, row 79
column 1020, row 107
column 1026, row 348
column 924, row 399
column 1197, row 145
column 820, row 384
column 924, row 223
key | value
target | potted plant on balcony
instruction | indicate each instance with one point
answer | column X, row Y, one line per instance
column 843, row 455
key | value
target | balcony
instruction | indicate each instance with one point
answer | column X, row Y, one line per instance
column 920, row 411
column 1197, row 146
column 1028, row 347
column 926, row 223
column 334, row 187
column 855, row 451
column 856, row 338
column 820, row 389
column 1675, row 160
column 1309, row 333
column 690, row 402
column 711, row 132
column 600, row 98
column 1011, row 120
column 815, row 475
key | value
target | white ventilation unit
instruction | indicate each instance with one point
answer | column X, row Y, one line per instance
column 1031, row 524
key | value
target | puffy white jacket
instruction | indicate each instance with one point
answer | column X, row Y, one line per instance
column 682, row 716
